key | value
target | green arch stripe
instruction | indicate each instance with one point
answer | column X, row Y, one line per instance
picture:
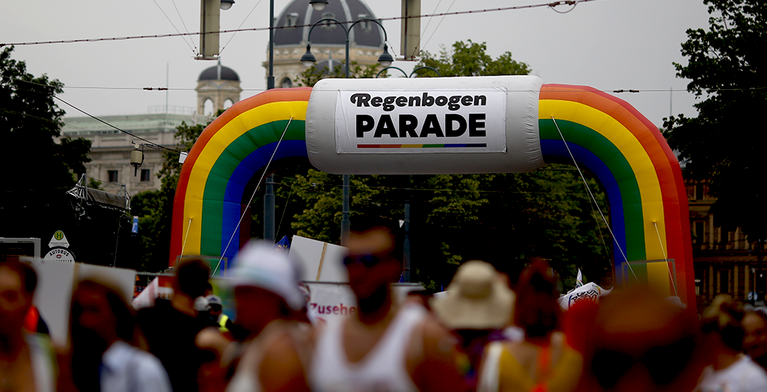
column 222, row 170
column 624, row 175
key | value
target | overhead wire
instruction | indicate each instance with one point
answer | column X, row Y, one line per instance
column 146, row 36
column 148, row 142
column 194, row 49
column 238, row 27
column 438, row 24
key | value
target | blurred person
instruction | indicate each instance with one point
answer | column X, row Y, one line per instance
column 102, row 331
column 723, row 335
column 382, row 347
column 755, row 337
column 638, row 341
column 27, row 361
column 477, row 307
column 34, row 322
column 267, row 295
column 543, row 361
column 171, row 326
column 216, row 312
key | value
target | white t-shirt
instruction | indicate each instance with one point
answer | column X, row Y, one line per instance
column 742, row 376
column 125, row 368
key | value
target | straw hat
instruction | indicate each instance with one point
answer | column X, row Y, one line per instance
column 477, row 298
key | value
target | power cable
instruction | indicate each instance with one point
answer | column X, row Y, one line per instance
column 438, row 24
column 194, row 49
column 238, row 27
column 467, row 12
column 149, row 143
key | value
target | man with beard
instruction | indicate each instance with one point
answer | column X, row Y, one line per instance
column 383, row 346
column 26, row 360
column 102, row 330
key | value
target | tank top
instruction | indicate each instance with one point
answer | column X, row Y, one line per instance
column 382, row 369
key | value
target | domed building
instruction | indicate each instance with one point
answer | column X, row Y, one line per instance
column 366, row 40
column 220, row 87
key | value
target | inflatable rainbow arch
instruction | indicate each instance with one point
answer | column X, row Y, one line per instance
column 625, row 151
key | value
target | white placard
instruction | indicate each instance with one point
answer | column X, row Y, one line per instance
column 415, row 121
column 320, row 261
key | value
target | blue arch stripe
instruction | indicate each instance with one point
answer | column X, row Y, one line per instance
column 584, row 157
column 235, row 188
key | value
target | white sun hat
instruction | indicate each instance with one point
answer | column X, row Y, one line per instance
column 477, row 298
column 259, row 264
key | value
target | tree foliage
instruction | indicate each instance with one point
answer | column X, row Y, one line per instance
column 314, row 74
column 471, row 59
column 30, row 124
column 724, row 64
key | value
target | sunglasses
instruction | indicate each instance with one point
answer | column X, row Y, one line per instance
column 366, row 260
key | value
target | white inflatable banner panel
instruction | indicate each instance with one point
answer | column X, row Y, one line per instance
column 406, row 121
column 424, row 125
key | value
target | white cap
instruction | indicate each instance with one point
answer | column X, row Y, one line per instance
column 201, row 304
column 261, row 265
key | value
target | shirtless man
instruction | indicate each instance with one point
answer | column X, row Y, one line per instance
column 383, row 347
column 25, row 360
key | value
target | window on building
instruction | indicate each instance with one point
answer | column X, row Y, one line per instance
column 207, row 109
column 112, row 174
column 724, row 282
column 286, row 83
column 291, row 19
column 365, row 24
column 145, row 175
column 329, row 24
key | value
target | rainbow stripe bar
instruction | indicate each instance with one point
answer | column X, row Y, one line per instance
column 469, row 145
column 225, row 164
column 641, row 175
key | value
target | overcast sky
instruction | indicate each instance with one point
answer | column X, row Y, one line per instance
column 606, row 44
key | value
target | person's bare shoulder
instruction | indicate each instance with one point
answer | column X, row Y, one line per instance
column 437, row 370
column 281, row 367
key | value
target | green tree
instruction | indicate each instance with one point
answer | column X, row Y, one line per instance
column 471, row 59
column 724, row 64
column 314, row 74
column 30, row 124
column 38, row 167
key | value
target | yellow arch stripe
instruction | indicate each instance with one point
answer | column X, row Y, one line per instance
column 635, row 154
column 226, row 135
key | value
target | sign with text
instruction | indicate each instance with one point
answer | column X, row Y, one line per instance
column 58, row 240
column 415, row 121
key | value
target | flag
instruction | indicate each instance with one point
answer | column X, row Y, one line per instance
column 284, row 243
column 579, row 279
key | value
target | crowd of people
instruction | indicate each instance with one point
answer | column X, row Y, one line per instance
column 484, row 334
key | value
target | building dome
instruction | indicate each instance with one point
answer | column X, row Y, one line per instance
column 218, row 72
column 299, row 13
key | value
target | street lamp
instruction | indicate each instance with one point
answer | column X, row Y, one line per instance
column 318, row 5
column 412, row 73
column 226, row 4
column 385, row 59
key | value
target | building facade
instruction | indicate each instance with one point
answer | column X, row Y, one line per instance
column 328, row 40
column 218, row 88
column 726, row 262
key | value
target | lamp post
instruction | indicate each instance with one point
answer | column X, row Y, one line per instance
column 411, row 73
column 308, row 59
column 269, row 213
